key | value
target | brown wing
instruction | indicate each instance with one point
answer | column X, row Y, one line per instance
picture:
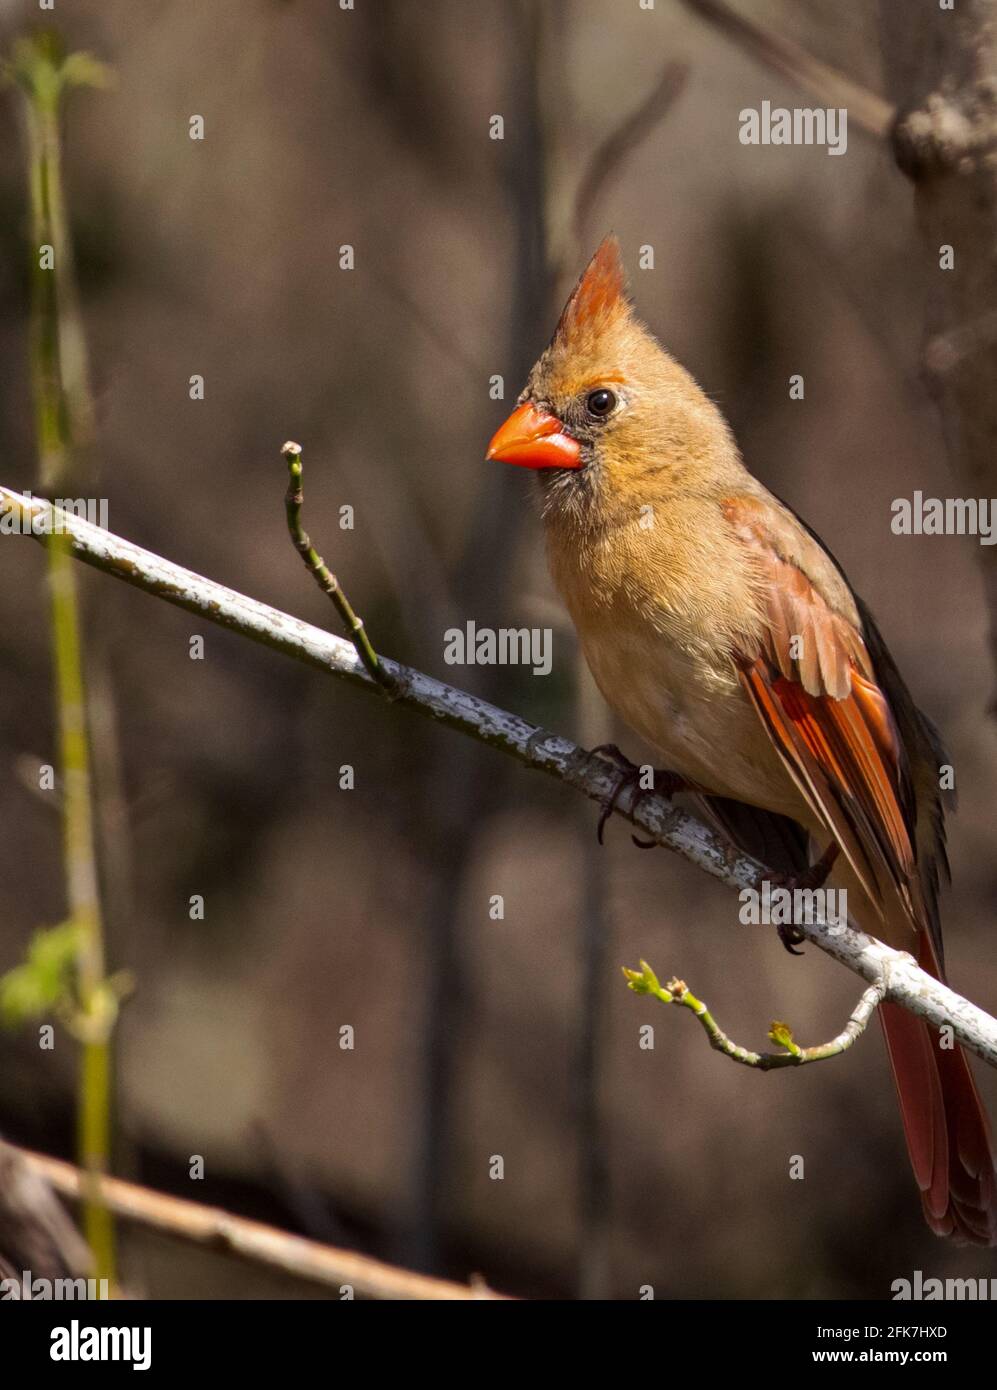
column 812, row 683
column 841, row 721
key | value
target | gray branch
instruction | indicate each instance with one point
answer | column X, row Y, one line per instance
column 596, row 778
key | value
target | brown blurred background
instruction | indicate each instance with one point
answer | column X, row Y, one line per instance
column 623, row 1167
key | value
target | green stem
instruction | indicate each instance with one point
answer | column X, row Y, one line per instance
column 644, row 981
column 93, row 1141
column 44, row 324
column 324, row 578
column 55, row 358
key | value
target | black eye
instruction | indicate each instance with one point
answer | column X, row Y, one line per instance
column 600, row 403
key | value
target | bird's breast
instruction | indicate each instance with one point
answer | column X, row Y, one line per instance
column 660, row 653
column 689, row 705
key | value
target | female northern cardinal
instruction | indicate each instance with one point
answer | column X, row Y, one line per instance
column 718, row 626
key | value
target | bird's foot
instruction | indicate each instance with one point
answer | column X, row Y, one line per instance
column 814, row 877
column 665, row 783
column 790, row 937
column 629, row 776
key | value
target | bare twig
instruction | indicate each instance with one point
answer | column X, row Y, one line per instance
column 831, row 87
column 252, row 1240
column 323, row 577
column 537, row 748
column 644, row 981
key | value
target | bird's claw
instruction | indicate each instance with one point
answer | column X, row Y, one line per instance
column 666, row 783
column 629, row 772
column 814, row 877
column 790, row 937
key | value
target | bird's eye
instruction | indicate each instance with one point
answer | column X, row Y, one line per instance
column 600, row 403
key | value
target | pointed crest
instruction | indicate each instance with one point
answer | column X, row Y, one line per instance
column 601, row 292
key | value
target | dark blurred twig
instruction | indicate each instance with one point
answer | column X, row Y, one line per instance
column 820, row 80
column 594, row 1197
column 457, row 802
column 252, row 1240
column 607, row 161
column 538, row 748
column 644, row 981
column 594, row 944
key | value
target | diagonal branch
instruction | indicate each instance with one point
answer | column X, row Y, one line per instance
column 251, row 1240
column 818, row 79
column 644, row 981
column 609, row 158
column 538, row 748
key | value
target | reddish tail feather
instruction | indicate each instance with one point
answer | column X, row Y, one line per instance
column 948, row 1133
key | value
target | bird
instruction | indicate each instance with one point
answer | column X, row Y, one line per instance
column 721, row 630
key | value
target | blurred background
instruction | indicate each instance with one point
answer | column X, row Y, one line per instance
column 370, row 907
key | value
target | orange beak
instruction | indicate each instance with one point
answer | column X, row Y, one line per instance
column 534, row 439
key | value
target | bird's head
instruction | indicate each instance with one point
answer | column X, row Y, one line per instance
column 606, row 412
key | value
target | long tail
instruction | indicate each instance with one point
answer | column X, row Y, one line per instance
column 948, row 1133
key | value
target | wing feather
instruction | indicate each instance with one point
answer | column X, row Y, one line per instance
column 811, row 681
